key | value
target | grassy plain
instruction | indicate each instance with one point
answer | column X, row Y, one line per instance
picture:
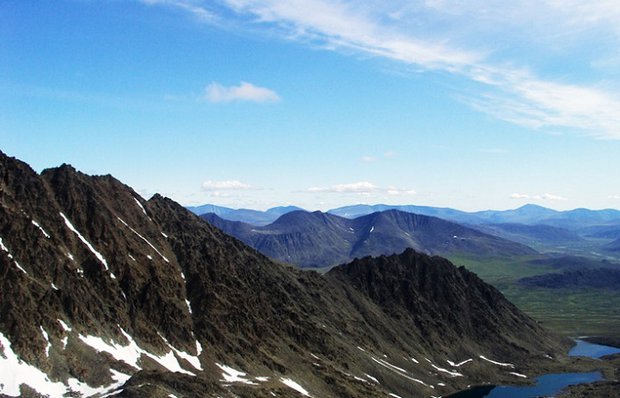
column 572, row 312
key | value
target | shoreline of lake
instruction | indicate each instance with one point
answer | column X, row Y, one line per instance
column 555, row 383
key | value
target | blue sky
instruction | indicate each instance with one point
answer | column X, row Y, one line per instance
column 255, row 103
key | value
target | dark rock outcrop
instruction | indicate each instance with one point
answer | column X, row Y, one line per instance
column 103, row 291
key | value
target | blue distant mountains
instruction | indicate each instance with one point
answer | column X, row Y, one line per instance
column 294, row 235
column 577, row 219
column 248, row 216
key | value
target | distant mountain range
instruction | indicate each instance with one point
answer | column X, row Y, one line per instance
column 107, row 294
column 254, row 217
column 577, row 219
column 321, row 239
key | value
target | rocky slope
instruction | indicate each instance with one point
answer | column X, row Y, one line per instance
column 105, row 292
column 320, row 239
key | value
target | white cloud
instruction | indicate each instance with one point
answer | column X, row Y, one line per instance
column 544, row 196
column 368, row 159
column 364, row 188
column 614, row 196
column 389, row 154
column 455, row 38
column 190, row 6
column 218, row 93
column 355, row 187
column 399, row 191
column 226, row 185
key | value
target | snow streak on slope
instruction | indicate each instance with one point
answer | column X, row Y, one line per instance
column 144, row 239
column 99, row 256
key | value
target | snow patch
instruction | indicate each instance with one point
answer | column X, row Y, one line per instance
column 47, row 338
column 189, row 307
column 414, row 360
column 36, row 224
column 88, row 391
column 518, row 375
column 399, row 371
column 458, row 365
column 141, row 207
column 64, row 325
column 14, row 372
column 371, row 229
column 232, row 375
column 99, row 256
column 360, row 379
column 295, row 386
column 509, row 365
column 54, row 286
column 131, row 353
column 5, row 249
column 20, row 267
column 131, row 257
column 452, row 374
column 262, row 378
column 394, row 395
column 144, row 239
column 371, row 378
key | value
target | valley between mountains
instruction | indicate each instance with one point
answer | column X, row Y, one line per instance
column 107, row 294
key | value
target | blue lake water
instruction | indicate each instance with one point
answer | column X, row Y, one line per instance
column 545, row 385
column 548, row 384
column 585, row 349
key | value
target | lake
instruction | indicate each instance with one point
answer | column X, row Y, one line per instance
column 548, row 384
column 585, row 349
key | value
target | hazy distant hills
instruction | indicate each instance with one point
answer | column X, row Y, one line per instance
column 320, row 239
column 532, row 235
column 594, row 221
column 528, row 214
column 580, row 232
column 249, row 216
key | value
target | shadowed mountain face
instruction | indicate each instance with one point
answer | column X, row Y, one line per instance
column 104, row 292
column 613, row 246
column 321, row 239
column 597, row 278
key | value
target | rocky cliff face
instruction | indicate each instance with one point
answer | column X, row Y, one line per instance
column 105, row 292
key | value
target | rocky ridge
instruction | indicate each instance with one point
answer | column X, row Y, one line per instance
column 104, row 292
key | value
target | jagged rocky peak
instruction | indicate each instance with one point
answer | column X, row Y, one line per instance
column 104, row 292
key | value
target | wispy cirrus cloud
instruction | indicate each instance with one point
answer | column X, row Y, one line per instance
column 193, row 7
column 544, row 196
column 245, row 91
column 453, row 38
